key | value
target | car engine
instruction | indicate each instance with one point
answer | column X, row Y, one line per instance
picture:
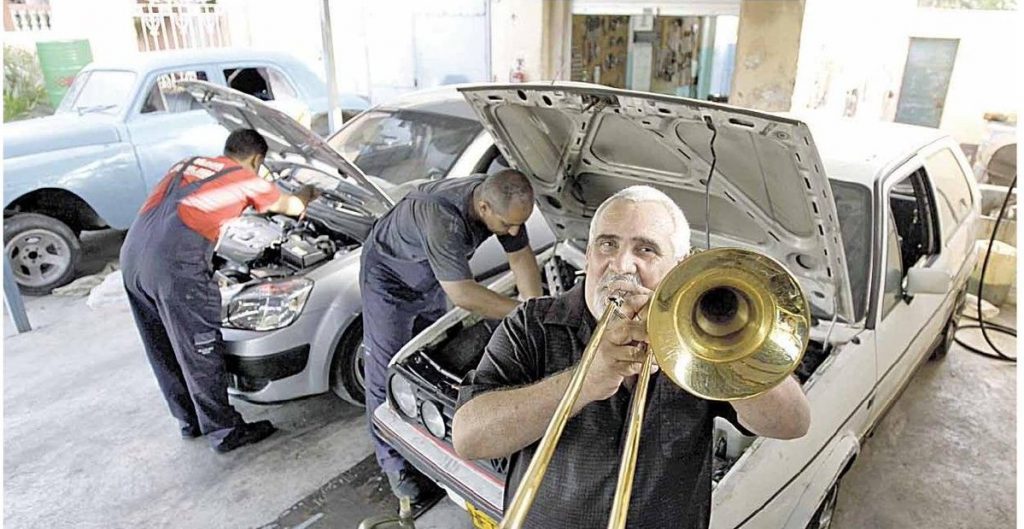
column 255, row 247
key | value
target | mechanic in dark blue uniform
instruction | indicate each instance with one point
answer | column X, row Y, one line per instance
column 166, row 263
column 416, row 255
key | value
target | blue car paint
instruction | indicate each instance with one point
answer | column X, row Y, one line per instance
column 111, row 161
column 105, row 176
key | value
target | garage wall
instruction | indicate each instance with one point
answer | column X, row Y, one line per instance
column 985, row 75
column 656, row 7
column 849, row 54
column 852, row 60
column 263, row 24
column 382, row 48
column 107, row 25
column 517, row 31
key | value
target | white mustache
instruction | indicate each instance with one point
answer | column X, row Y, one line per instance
column 632, row 279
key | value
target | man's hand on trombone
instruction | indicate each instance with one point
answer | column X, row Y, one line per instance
column 623, row 348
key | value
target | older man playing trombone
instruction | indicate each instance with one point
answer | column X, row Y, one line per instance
column 636, row 238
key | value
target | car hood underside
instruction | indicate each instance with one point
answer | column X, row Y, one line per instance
column 581, row 143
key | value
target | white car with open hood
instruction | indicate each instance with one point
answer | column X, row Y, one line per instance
column 878, row 229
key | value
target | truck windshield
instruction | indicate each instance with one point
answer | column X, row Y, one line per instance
column 102, row 91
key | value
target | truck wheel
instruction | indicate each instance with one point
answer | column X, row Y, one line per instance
column 43, row 252
column 347, row 380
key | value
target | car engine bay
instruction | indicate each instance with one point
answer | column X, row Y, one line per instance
column 441, row 367
column 438, row 370
column 262, row 247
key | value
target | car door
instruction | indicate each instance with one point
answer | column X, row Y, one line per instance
column 269, row 84
column 906, row 326
column 166, row 125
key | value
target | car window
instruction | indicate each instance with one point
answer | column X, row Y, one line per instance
column 164, row 94
column 253, row 81
column 913, row 211
column 404, row 145
column 952, row 192
column 893, row 289
column 279, row 84
column 853, row 205
column 100, row 91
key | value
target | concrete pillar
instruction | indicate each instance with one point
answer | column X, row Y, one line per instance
column 8, row 21
column 767, row 50
column 557, row 40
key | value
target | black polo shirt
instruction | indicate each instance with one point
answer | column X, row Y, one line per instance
column 433, row 227
column 672, row 484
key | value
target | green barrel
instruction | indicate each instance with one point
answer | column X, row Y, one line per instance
column 60, row 60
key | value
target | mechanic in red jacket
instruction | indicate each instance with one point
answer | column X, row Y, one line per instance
column 166, row 263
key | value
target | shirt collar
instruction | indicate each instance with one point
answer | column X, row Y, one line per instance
column 570, row 310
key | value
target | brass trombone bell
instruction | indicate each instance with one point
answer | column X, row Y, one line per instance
column 724, row 324
column 728, row 324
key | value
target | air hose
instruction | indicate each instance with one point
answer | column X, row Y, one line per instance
column 982, row 324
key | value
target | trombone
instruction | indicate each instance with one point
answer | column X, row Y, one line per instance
column 724, row 324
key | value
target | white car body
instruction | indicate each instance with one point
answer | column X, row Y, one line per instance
column 773, row 483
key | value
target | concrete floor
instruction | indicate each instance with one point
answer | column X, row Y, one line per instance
column 944, row 457
column 88, row 442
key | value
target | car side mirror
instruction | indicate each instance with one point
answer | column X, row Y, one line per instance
column 921, row 280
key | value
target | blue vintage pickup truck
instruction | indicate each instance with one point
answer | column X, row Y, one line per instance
column 114, row 135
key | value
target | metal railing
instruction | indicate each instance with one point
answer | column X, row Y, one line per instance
column 180, row 24
column 29, row 17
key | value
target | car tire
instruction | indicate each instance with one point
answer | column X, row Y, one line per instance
column 823, row 517
column 949, row 333
column 43, row 252
column 347, row 380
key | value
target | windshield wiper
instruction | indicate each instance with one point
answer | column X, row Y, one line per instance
column 95, row 108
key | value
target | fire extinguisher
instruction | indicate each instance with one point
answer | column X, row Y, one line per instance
column 518, row 74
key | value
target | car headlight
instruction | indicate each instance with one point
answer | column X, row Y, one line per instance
column 405, row 397
column 268, row 306
column 433, row 419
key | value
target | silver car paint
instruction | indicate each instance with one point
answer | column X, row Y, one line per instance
column 334, row 302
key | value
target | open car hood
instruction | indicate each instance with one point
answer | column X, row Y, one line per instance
column 580, row 143
column 311, row 159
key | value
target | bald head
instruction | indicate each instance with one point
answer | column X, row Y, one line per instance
column 504, row 201
column 506, row 189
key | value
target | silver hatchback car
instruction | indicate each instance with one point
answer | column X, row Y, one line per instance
column 290, row 287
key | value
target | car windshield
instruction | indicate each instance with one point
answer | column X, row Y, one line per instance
column 853, row 204
column 403, row 145
column 102, row 91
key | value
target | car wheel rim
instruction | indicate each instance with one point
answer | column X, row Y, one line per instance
column 951, row 333
column 38, row 257
column 825, row 520
column 358, row 364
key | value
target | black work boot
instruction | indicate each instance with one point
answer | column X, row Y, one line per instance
column 410, row 483
column 245, row 434
column 190, row 432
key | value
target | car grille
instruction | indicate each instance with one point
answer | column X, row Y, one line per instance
column 431, row 383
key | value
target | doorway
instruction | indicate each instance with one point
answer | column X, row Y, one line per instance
column 926, row 81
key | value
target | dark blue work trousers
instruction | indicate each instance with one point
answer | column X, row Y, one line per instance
column 176, row 305
column 399, row 300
